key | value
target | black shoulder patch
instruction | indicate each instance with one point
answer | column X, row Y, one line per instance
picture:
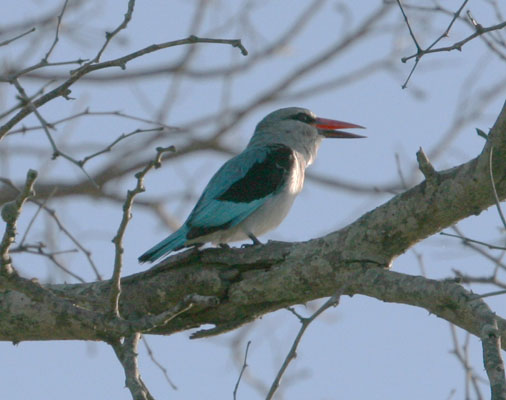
column 263, row 178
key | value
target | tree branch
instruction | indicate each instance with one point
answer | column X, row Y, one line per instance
column 491, row 343
column 254, row 281
column 63, row 89
column 333, row 301
column 127, row 355
column 127, row 215
column 10, row 214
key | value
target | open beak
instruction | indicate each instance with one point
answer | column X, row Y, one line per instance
column 329, row 128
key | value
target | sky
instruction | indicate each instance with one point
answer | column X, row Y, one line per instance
column 363, row 348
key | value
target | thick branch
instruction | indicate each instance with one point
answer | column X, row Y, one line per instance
column 253, row 281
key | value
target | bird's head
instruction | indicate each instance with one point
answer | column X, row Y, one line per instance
column 300, row 129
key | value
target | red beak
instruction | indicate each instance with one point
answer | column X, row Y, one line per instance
column 328, row 128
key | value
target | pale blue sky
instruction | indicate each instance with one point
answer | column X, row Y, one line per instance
column 362, row 349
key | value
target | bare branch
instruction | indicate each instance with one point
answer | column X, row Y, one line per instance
column 491, row 341
column 30, row 224
column 420, row 52
column 56, row 36
column 6, row 42
column 110, row 35
column 123, row 136
column 419, row 49
column 490, row 294
column 331, row 302
column 127, row 355
column 244, row 366
column 487, row 280
column 462, row 355
column 56, row 151
column 284, row 39
column 22, row 103
column 87, row 112
column 61, row 227
column 458, row 45
column 41, row 64
column 72, row 238
column 157, row 363
column 39, row 249
column 496, row 197
column 10, row 214
column 468, row 240
column 127, row 215
column 63, row 89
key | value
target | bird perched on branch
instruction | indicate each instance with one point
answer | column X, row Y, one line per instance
column 253, row 192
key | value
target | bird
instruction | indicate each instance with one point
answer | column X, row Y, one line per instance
column 253, row 192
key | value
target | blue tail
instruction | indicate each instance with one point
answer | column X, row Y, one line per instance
column 174, row 242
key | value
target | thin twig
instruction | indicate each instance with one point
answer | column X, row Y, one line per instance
column 490, row 294
column 458, row 45
column 462, row 355
column 56, row 36
column 123, row 136
column 479, row 31
column 331, row 302
column 118, row 238
column 10, row 214
column 304, row 18
column 110, row 35
column 497, row 260
column 496, row 197
column 41, row 64
column 38, row 249
column 244, row 366
column 30, row 224
column 467, row 240
column 445, row 34
column 22, row 103
column 67, row 233
column 87, row 112
column 487, row 280
column 157, row 363
column 63, row 89
column 56, row 151
column 61, row 227
column 6, row 42
column 399, row 171
column 418, row 48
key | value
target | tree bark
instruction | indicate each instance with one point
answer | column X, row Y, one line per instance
column 256, row 280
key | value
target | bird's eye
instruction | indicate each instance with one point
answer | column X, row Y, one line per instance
column 304, row 118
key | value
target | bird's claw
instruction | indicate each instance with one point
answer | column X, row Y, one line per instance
column 254, row 239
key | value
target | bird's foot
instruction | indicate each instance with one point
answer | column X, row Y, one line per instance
column 254, row 239
column 256, row 242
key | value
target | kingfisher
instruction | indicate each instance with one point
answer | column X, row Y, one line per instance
column 252, row 192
